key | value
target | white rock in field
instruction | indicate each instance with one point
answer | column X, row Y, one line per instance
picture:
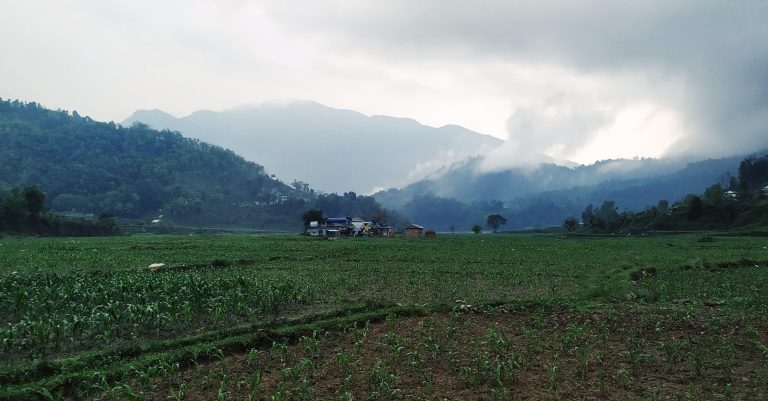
column 156, row 266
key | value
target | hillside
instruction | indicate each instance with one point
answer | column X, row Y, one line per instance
column 90, row 166
column 138, row 172
column 331, row 149
column 463, row 194
column 741, row 203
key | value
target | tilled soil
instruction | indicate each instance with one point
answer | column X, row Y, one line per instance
column 542, row 353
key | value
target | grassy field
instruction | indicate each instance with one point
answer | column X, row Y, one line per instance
column 278, row 317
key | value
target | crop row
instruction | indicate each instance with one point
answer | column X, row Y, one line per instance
column 99, row 371
column 492, row 353
column 47, row 311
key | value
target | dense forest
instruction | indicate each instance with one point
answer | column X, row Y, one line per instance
column 22, row 212
column 86, row 166
column 741, row 203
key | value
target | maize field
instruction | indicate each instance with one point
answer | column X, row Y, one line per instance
column 459, row 317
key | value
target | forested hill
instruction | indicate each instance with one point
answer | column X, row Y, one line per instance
column 97, row 167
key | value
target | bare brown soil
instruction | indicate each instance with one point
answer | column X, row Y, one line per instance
column 614, row 353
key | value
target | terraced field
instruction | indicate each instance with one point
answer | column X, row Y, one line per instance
column 279, row 317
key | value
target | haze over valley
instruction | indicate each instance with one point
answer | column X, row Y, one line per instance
column 439, row 113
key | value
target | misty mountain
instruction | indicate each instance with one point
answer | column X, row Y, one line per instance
column 331, row 149
column 467, row 181
column 546, row 194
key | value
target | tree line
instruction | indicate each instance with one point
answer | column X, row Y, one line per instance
column 737, row 202
column 22, row 212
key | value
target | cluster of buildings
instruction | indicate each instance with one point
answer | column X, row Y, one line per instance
column 733, row 195
column 335, row 227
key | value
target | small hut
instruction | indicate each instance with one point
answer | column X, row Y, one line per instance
column 386, row 231
column 413, row 231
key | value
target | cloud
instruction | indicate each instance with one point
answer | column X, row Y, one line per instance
column 705, row 62
column 554, row 128
column 684, row 77
column 557, row 124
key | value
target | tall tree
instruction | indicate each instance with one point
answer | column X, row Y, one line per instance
column 753, row 172
column 608, row 211
column 35, row 200
column 312, row 215
column 570, row 224
column 587, row 215
column 663, row 206
column 495, row 221
column 695, row 207
column 15, row 208
column 713, row 196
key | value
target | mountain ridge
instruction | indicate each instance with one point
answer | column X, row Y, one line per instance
column 318, row 144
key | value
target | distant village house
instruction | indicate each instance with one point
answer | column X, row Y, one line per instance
column 334, row 227
column 413, row 231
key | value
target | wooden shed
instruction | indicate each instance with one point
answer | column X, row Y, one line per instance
column 413, row 231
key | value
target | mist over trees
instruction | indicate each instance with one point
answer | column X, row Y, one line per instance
column 533, row 199
column 742, row 204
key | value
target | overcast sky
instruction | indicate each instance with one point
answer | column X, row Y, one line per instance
column 581, row 80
